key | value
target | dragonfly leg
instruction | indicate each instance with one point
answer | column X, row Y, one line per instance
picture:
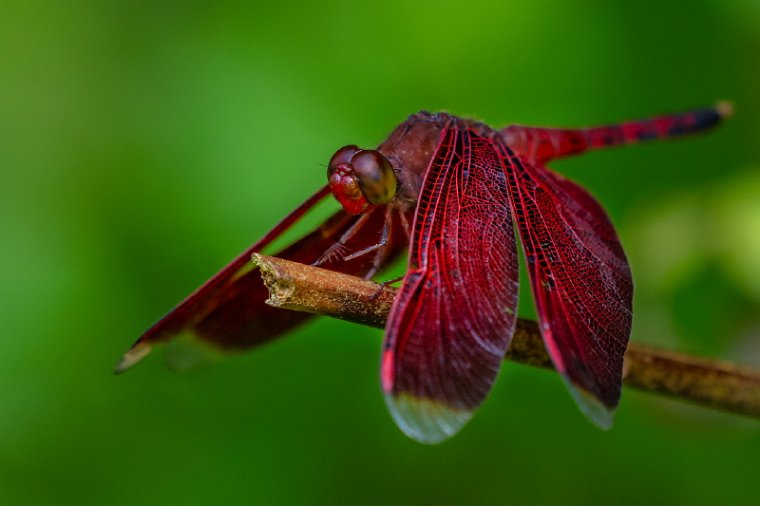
column 337, row 249
column 376, row 247
column 382, row 286
column 544, row 144
column 380, row 247
column 407, row 227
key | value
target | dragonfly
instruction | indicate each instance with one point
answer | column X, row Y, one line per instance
column 452, row 192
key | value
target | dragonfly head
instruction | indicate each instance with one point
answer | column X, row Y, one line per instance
column 360, row 178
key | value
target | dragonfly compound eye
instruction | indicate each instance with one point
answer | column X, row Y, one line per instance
column 343, row 182
column 375, row 176
column 342, row 157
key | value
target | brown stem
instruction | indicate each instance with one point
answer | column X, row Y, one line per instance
column 713, row 383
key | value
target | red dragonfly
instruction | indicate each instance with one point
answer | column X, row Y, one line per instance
column 452, row 189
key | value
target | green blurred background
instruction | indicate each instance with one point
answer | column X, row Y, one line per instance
column 144, row 144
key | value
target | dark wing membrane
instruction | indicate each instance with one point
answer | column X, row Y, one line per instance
column 581, row 283
column 454, row 317
column 229, row 313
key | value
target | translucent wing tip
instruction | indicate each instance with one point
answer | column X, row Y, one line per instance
column 725, row 108
column 188, row 352
column 136, row 353
column 594, row 409
column 425, row 420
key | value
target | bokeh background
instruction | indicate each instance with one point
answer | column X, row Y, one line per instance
column 145, row 144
